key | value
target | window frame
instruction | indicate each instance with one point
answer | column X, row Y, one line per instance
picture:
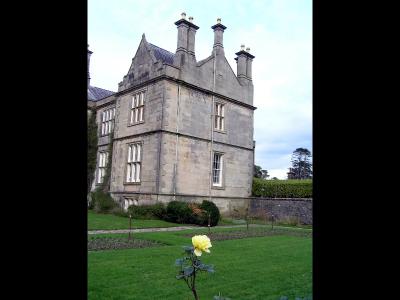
column 219, row 118
column 221, row 184
column 100, row 167
column 106, row 125
column 127, row 163
column 140, row 108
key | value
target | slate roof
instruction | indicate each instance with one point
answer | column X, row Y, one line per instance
column 162, row 54
column 95, row 93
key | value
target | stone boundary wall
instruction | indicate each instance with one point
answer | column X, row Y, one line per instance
column 283, row 208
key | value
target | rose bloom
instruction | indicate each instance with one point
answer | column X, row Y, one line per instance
column 201, row 243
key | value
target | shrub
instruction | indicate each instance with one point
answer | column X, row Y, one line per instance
column 118, row 211
column 179, row 212
column 102, row 202
column 155, row 211
column 282, row 188
column 209, row 208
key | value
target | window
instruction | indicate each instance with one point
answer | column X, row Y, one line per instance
column 217, row 169
column 134, row 163
column 128, row 202
column 219, row 121
column 137, row 107
column 103, row 159
column 107, row 121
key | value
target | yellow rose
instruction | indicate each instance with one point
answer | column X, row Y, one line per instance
column 201, row 243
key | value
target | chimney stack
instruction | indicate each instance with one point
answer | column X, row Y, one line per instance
column 186, row 39
column 244, row 61
column 218, row 37
column 88, row 65
column 191, row 38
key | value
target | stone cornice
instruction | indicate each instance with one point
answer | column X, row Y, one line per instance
column 184, row 83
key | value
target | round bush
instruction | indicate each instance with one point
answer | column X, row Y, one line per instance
column 209, row 208
column 179, row 212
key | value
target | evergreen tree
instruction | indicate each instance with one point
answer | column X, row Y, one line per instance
column 260, row 173
column 301, row 164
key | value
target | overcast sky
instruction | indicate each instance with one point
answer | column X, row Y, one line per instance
column 278, row 32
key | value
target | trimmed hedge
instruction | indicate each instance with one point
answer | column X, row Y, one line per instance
column 282, row 188
column 155, row 211
column 179, row 212
column 192, row 213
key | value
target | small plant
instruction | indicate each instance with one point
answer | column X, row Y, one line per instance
column 190, row 264
column 219, row 297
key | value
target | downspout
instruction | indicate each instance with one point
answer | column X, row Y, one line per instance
column 177, row 140
column 212, row 124
column 160, row 144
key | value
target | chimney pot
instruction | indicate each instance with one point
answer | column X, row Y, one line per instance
column 242, row 47
column 183, row 15
column 191, row 19
column 219, row 20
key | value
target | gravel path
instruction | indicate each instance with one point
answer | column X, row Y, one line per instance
column 179, row 228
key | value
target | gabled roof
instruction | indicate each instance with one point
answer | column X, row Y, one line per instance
column 162, row 54
column 95, row 93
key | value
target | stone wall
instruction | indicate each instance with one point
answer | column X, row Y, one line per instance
column 284, row 208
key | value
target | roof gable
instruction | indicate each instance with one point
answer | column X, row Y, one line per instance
column 161, row 54
column 96, row 93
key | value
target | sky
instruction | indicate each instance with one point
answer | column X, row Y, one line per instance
column 278, row 33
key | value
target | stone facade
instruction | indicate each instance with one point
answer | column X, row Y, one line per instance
column 178, row 134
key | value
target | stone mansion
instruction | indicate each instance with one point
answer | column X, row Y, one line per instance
column 182, row 129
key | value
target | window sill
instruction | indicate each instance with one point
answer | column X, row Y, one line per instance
column 132, row 183
column 220, row 131
column 216, row 187
column 138, row 123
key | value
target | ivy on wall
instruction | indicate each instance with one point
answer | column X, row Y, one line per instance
column 92, row 140
column 105, row 186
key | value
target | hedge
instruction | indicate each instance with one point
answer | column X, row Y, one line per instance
column 282, row 188
column 155, row 211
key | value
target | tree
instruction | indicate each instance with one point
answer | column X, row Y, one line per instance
column 274, row 178
column 260, row 173
column 92, row 148
column 301, row 164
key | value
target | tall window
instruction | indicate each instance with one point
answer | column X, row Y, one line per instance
column 219, row 122
column 134, row 162
column 103, row 159
column 107, row 121
column 217, row 169
column 137, row 108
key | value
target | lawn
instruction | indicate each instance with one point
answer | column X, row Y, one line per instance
column 250, row 268
column 107, row 222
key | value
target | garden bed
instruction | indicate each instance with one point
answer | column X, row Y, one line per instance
column 242, row 234
column 109, row 243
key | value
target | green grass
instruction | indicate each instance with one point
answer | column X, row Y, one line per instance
column 107, row 222
column 251, row 268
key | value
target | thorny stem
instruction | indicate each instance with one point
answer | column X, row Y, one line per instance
column 194, row 279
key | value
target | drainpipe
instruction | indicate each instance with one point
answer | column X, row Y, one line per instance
column 212, row 125
column 177, row 140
